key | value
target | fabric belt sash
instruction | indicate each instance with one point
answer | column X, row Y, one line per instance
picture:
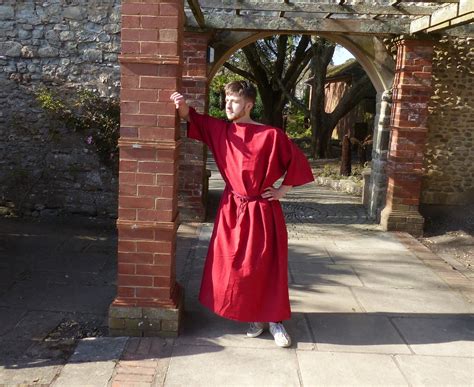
column 244, row 199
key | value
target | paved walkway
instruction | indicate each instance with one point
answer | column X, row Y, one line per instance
column 369, row 308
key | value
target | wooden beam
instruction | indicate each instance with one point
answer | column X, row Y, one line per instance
column 445, row 17
column 320, row 7
column 196, row 10
column 298, row 24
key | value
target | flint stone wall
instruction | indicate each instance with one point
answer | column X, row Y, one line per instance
column 449, row 154
column 45, row 168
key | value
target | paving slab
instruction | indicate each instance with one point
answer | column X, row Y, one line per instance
column 356, row 333
column 442, row 335
column 348, row 369
column 92, row 363
column 202, row 327
column 390, row 300
column 317, row 299
column 399, row 276
column 36, row 372
column 196, row 365
column 357, row 256
column 437, row 371
column 305, row 273
column 308, row 251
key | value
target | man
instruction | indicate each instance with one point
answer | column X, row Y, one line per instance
column 246, row 272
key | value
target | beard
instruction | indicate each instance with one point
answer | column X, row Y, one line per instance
column 232, row 116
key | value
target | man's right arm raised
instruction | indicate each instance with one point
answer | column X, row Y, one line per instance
column 181, row 105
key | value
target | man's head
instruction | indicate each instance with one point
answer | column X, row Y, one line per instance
column 240, row 99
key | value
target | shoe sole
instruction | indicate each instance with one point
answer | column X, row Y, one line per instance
column 256, row 334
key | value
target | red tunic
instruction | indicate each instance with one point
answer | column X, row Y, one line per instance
column 246, row 271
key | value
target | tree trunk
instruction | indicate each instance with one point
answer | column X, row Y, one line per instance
column 346, row 156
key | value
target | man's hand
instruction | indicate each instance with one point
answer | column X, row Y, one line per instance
column 272, row 193
column 181, row 105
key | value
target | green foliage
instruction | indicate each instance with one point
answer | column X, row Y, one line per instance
column 332, row 171
column 295, row 125
column 96, row 118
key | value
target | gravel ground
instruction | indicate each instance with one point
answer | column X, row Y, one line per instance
column 449, row 232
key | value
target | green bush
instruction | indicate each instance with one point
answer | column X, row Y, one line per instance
column 94, row 117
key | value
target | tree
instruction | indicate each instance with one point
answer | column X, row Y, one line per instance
column 322, row 122
column 270, row 63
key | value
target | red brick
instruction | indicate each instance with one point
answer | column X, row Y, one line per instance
column 130, row 34
column 135, row 233
column 127, row 177
column 163, row 259
column 127, row 214
column 169, row 48
column 140, row 257
column 157, row 108
column 128, row 165
column 128, row 153
column 130, row 21
column 125, row 292
column 150, row 82
column 151, row 133
column 140, row 9
column 135, row 69
column 167, row 121
column 160, row 293
column 127, row 246
column 128, row 189
column 156, row 167
column 130, row 47
column 126, row 268
column 159, row 282
column 138, row 119
column 147, row 190
column 136, row 202
column 153, row 247
column 146, row 178
column 166, row 179
column 129, row 108
column 134, row 280
column 167, row 9
column 128, row 132
column 139, row 95
column 153, row 270
column 129, row 81
column 164, row 204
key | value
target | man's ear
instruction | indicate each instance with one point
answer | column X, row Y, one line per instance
column 249, row 106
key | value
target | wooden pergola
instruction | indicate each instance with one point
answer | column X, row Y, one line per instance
column 165, row 48
column 343, row 16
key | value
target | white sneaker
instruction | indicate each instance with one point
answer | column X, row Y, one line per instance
column 255, row 329
column 282, row 338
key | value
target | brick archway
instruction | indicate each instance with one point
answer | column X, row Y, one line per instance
column 159, row 57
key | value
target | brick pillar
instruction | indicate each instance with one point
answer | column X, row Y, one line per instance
column 148, row 300
column 193, row 178
column 411, row 93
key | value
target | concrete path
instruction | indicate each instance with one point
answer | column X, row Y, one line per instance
column 369, row 308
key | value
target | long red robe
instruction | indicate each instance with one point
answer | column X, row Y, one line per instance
column 246, row 271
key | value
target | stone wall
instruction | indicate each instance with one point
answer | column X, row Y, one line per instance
column 449, row 154
column 44, row 167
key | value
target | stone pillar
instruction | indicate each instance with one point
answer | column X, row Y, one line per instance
column 148, row 300
column 411, row 93
column 193, row 178
column 378, row 179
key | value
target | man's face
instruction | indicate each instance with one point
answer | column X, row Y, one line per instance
column 237, row 106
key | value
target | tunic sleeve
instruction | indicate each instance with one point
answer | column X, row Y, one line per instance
column 298, row 170
column 204, row 128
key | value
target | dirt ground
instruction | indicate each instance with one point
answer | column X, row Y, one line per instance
column 449, row 233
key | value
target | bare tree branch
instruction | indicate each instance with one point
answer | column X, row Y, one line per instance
column 239, row 71
column 299, row 104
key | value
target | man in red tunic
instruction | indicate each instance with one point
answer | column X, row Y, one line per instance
column 246, row 271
